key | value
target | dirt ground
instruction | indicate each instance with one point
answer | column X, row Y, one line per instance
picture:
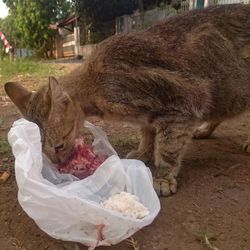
column 211, row 209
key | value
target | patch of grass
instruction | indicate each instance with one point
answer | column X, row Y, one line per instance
column 207, row 242
column 9, row 69
column 4, row 146
column 133, row 243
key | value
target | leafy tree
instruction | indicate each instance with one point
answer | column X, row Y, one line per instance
column 11, row 34
column 32, row 19
column 99, row 15
column 97, row 11
column 104, row 10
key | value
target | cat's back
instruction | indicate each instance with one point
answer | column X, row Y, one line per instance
column 173, row 43
column 178, row 55
column 229, row 19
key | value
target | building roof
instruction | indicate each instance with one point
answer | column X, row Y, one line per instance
column 70, row 20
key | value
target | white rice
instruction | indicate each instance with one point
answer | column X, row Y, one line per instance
column 127, row 204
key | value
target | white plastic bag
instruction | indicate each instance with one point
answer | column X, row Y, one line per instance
column 68, row 208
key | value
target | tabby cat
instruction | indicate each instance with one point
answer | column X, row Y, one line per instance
column 194, row 68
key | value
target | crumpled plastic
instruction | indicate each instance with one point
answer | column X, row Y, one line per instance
column 70, row 209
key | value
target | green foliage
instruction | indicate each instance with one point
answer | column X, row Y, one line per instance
column 31, row 19
column 107, row 10
column 101, row 31
column 28, row 22
column 104, row 10
column 11, row 34
column 100, row 15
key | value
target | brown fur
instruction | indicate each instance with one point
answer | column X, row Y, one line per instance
column 193, row 68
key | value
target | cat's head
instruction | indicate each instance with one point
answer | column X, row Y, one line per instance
column 53, row 110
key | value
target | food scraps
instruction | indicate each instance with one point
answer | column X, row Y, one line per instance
column 127, row 204
column 5, row 176
column 83, row 162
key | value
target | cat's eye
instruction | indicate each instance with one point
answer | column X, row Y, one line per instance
column 59, row 147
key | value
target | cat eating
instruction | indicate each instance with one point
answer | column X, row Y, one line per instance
column 192, row 69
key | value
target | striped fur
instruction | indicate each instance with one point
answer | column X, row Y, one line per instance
column 193, row 68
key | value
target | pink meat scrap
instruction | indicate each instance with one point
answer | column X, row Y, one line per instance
column 82, row 162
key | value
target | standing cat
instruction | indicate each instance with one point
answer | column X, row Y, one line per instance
column 192, row 68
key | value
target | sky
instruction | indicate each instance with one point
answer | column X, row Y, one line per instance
column 3, row 9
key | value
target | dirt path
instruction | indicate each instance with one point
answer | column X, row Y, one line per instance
column 211, row 209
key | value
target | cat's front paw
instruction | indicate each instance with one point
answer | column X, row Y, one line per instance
column 134, row 154
column 165, row 186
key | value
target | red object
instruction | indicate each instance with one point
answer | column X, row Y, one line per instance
column 82, row 162
column 6, row 43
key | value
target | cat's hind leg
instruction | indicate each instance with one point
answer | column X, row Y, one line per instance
column 206, row 129
column 171, row 140
column 146, row 147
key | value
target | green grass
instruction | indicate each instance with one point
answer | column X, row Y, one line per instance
column 4, row 146
column 9, row 69
column 133, row 244
column 207, row 242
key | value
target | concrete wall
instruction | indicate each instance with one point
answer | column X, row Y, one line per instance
column 21, row 53
column 130, row 23
column 86, row 50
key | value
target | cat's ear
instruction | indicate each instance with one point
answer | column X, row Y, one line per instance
column 59, row 98
column 19, row 95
